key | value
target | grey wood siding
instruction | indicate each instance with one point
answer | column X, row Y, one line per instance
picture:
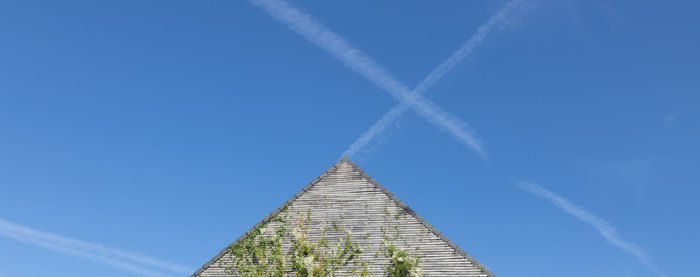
column 345, row 200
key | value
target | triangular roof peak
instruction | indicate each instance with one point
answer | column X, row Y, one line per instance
column 346, row 174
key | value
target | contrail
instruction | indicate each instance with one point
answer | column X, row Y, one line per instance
column 499, row 19
column 303, row 24
column 315, row 32
column 95, row 252
column 604, row 228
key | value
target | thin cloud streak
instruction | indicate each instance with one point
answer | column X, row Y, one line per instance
column 604, row 228
column 501, row 18
column 378, row 128
column 303, row 24
column 95, row 252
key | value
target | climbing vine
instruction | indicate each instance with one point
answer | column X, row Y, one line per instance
column 318, row 259
column 401, row 264
column 278, row 248
column 259, row 254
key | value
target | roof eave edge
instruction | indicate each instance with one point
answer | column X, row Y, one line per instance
column 425, row 223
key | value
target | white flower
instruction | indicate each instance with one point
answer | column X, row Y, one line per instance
column 297, row 233
column 416, row 272
column 308, row 261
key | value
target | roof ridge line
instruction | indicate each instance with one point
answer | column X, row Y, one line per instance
column 272, row 214
column 420, row 219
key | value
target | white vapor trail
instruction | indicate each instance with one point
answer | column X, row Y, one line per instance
column 315, row 32
column 379, row 127
column 303, row 24
column 604, row 228
column 131, row 262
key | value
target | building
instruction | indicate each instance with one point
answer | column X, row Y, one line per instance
column 343, row 223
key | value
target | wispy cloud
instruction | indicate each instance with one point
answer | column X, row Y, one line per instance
column 303, row 24
column 501, row 18
column 604, row 228
column 134, row 263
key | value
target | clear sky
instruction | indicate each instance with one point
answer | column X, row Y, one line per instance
column 169, row 128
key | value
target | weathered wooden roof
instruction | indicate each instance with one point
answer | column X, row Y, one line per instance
column 346, row 196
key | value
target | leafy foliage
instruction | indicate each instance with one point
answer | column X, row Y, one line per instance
column 401, row 264
column 259, row 254
column 318, row 259
column 262, row 253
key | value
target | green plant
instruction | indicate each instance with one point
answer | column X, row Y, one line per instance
column 259, row 254
column 317, row 259
column 278, row 248
column 401, row 264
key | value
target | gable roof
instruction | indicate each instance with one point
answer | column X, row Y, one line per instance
column 345, row 162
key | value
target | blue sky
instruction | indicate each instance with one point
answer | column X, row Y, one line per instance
column 168, row 128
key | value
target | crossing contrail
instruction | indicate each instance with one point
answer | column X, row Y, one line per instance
column 135, row 263
column 604, row 228
column 303, row 24
column 501, row 18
